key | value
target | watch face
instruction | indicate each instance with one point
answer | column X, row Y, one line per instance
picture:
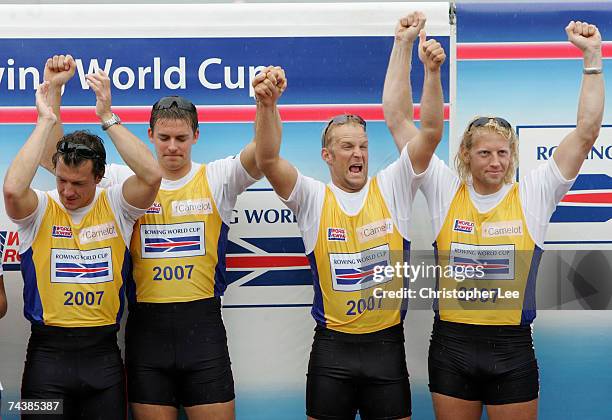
column 112, row 121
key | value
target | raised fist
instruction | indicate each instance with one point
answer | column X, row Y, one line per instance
column 583, row 35
column 59, row 69
column 408, row 27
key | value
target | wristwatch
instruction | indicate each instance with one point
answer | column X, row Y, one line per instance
column 592, row 70
column 110, row 122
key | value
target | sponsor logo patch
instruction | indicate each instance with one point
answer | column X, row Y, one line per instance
column 172, row 241
column 190, row 207
column 61, row 231
column 495, row 261
column 155, row 208
column 336, row 234
column 355, row 271
column 464, row 226
column 81, row 267
column 374, row 230
column 506, row 228
column 98, row 233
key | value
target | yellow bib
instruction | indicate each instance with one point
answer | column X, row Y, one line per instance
column 74, row 273
column 343, row 263
column 490, row 263
column 178, row 246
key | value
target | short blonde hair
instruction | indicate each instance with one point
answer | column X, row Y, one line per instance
column 342, row 119
column 484, row 124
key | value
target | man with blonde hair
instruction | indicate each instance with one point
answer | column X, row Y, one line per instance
column 481, row 350
column 357, row 362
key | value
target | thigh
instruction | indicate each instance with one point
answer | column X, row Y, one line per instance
column 150, row 365
column 451, row 408
column 384, row 389
column 514, row 377
column 385, row 401
column 204, row 373
column 329, row 398
column 451, row 367
column 515, row 411
column 47, row 372
column 150, row 411
column 519, row 386
column 50, row 374
column 217, row 411
column 331, row 391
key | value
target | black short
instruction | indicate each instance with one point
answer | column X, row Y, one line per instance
column 81, row 366
column 492, row 364
column 351, row 372
column 176, row 354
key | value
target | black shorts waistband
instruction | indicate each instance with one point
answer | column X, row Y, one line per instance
column 394, row 333
column 73, row 338
column 196, row 306
column 473, row 330
column 66, row 332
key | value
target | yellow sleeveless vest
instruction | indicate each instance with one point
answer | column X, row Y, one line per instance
column 343, row 264
column 74, row 273
column 178, row 246
column 504, row 260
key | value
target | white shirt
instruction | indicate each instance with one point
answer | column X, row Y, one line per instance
column 398, row 185
column 227, row 178
column 540, row 190
column 125, row 214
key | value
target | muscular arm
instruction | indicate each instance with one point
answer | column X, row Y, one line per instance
column 572, row 151
column 138, row 190
column 397, row 94
column 59, row 69
column 247, row 159
column 19, row 199
column 268, row 131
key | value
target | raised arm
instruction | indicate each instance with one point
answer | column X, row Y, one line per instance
column 573, row 149
column 59, row 69
column 397, row 94
column 138, row 190
column 269, row 85
column 247, row 157
column 19, row 199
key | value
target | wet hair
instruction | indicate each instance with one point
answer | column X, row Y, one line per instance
column 494, row 125
column 174, row 108
column 80, row 146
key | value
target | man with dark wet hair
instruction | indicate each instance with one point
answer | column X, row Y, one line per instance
column 74, row 261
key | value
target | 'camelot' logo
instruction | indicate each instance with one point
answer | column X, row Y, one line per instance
column 506, row 228
column 98, row 233
column 188, row 207
column 374, row 230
